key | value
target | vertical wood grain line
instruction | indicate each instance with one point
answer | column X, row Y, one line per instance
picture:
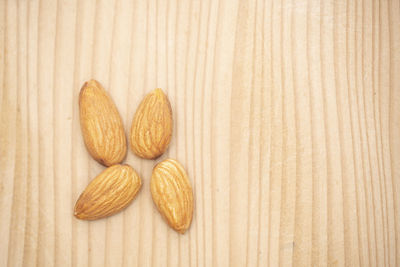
column 320, row 160
column 366, row 149
column 289, row 165
column 202, row 163
column 193, row 103
column 18, row 185
column 379, row 143
column 315, row 184
column 364, row 109
column 15, row 177
column 351, row 86
column 3, row 48
column 251, row 141
column 270, row 138
column 381, row 148
column 21, row 174
column 350, row 107
column 47, row 34
column 251, row 122
column 340, row 121
column 261, row 138
column 325, row 119
column 203, row 136
column 5, row 123
column 395, row 172
column 3, row 58
column 185, row 118
column 212, row 142
column 54, row 115
column 231, row 117
column 268, row 68
column 303, row 153
column 362, row 182
column 31, row 238
column 295, row 131
column 73, row 139
column 39, row 157
column 321, row 45
column 359, row 85
column 276, row 169
column 9, row 108
column 157, row 41
column 284, row 138
column 384, row 135
column 378, row 136
column 392, row 174
column 394, row 112
column 351, row 226
column 375, row 38
column 29, row 163
column 241, row 129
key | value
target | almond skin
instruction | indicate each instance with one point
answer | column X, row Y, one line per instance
column 172, row 194
column 101, row 125
column 151, row 129
column 108, row 193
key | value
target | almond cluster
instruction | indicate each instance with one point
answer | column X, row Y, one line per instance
column 116, row 187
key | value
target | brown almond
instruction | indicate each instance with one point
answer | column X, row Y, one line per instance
column 152, row 126
column 172, row 194
column 101, row 125
column 108, row 193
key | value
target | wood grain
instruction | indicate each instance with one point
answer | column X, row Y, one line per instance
column 287, row 120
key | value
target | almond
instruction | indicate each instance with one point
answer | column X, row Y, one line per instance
column 172, row 194
column 101, row 125
column 152, row 126
column 108, row 193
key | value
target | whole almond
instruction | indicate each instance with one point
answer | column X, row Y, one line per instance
column 101, row 125
column 108, row 193
column 172, row 194
column 152, row 126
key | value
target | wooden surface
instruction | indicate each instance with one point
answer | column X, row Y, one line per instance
column 287, row 120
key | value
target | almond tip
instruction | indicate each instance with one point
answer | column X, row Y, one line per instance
column 76, row 214
column 159, row 91
column 182, row 232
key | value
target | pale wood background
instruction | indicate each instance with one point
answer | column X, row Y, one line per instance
column 287, row 120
